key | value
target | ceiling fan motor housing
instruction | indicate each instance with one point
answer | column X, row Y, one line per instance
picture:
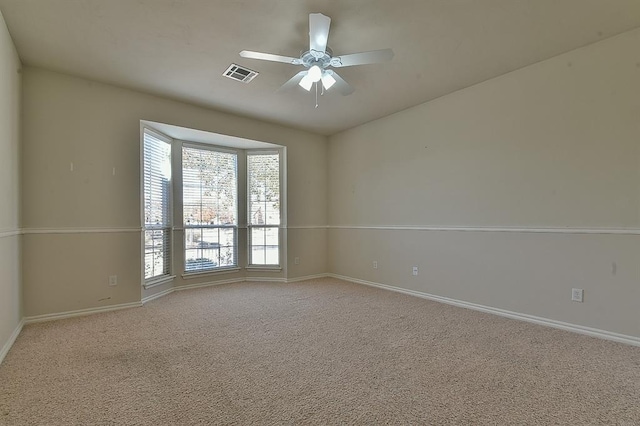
column 314, row 57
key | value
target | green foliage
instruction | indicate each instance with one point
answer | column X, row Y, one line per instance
column 209, row 186
column 264, row 179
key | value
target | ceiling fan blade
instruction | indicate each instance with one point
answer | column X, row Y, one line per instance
column 341, row 85
column 318, row 31
column 293, row 81
column 370, row 57
column 270, row 57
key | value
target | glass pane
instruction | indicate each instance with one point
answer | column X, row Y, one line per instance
column 265, row 242
column 196, row 260
column 228, row 242
column 271, row 246
column 264, row 189
column 156, row 253
column 192, row 237
column 272, row 209
column 257, row 236
column 228, row 256
column 198, row 255
column 157, row 180
column 148, row 265
column 209, row 187
column 210, row 248
column 257, row 255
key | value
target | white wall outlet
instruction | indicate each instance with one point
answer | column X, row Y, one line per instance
column 415, row 270
column 577, row 294
column 113, row 280
column 296, row 260
column 375, row 264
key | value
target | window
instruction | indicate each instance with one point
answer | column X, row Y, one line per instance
column 222, row 191
column 157, row 206
column 263, row 181
column 210, row 208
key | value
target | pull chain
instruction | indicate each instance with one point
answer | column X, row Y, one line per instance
column 316, row 94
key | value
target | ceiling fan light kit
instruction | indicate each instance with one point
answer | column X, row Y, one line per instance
column 318, row 60
column 328, row 80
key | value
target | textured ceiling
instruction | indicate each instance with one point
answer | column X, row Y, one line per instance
column 180, row 48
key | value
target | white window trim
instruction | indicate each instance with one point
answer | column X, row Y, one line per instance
column 264, row 268
column 156, row 281
column 225, row 270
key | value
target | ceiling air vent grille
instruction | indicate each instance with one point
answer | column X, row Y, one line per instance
column 236, row 72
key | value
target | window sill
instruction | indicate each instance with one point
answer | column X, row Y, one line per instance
column 158, row 281
column 266, row 268
column 192, row 275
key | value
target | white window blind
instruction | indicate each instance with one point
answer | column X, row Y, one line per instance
column 157, row 206
column 210, row 208
column 263, row 179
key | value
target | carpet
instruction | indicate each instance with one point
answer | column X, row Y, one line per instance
column 317, row 352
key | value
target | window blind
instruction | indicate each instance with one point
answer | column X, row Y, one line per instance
column 157, row 206
column 210, row 208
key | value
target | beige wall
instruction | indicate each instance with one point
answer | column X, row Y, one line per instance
column 10, row 290
column 553, row 145
column 97, row 126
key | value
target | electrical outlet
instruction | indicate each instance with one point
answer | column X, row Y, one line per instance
column 415, row 270
column 577, row 295
column 375, row 264
column 296, row 260
column 113, row 280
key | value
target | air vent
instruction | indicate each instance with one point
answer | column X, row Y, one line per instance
column 236, row 72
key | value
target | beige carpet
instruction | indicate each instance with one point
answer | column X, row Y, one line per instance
column 319, row 352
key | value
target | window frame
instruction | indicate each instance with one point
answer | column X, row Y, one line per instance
column 281, row 250
column 169, row 276
column 235, row 227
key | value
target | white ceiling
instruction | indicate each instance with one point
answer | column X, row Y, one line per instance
column 180, row 48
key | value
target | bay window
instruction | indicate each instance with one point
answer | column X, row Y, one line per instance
column 230, row 199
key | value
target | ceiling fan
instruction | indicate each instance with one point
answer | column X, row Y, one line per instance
column 319, row 59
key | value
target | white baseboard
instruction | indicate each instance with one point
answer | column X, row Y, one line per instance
column 306, row 278
column 70, row 314
column 9, row 343
column 593, row 332
column 80, row 312
column 285, row 280
column 231, row 281
column 157, row 295
column 265, row 280
column 208, row 284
